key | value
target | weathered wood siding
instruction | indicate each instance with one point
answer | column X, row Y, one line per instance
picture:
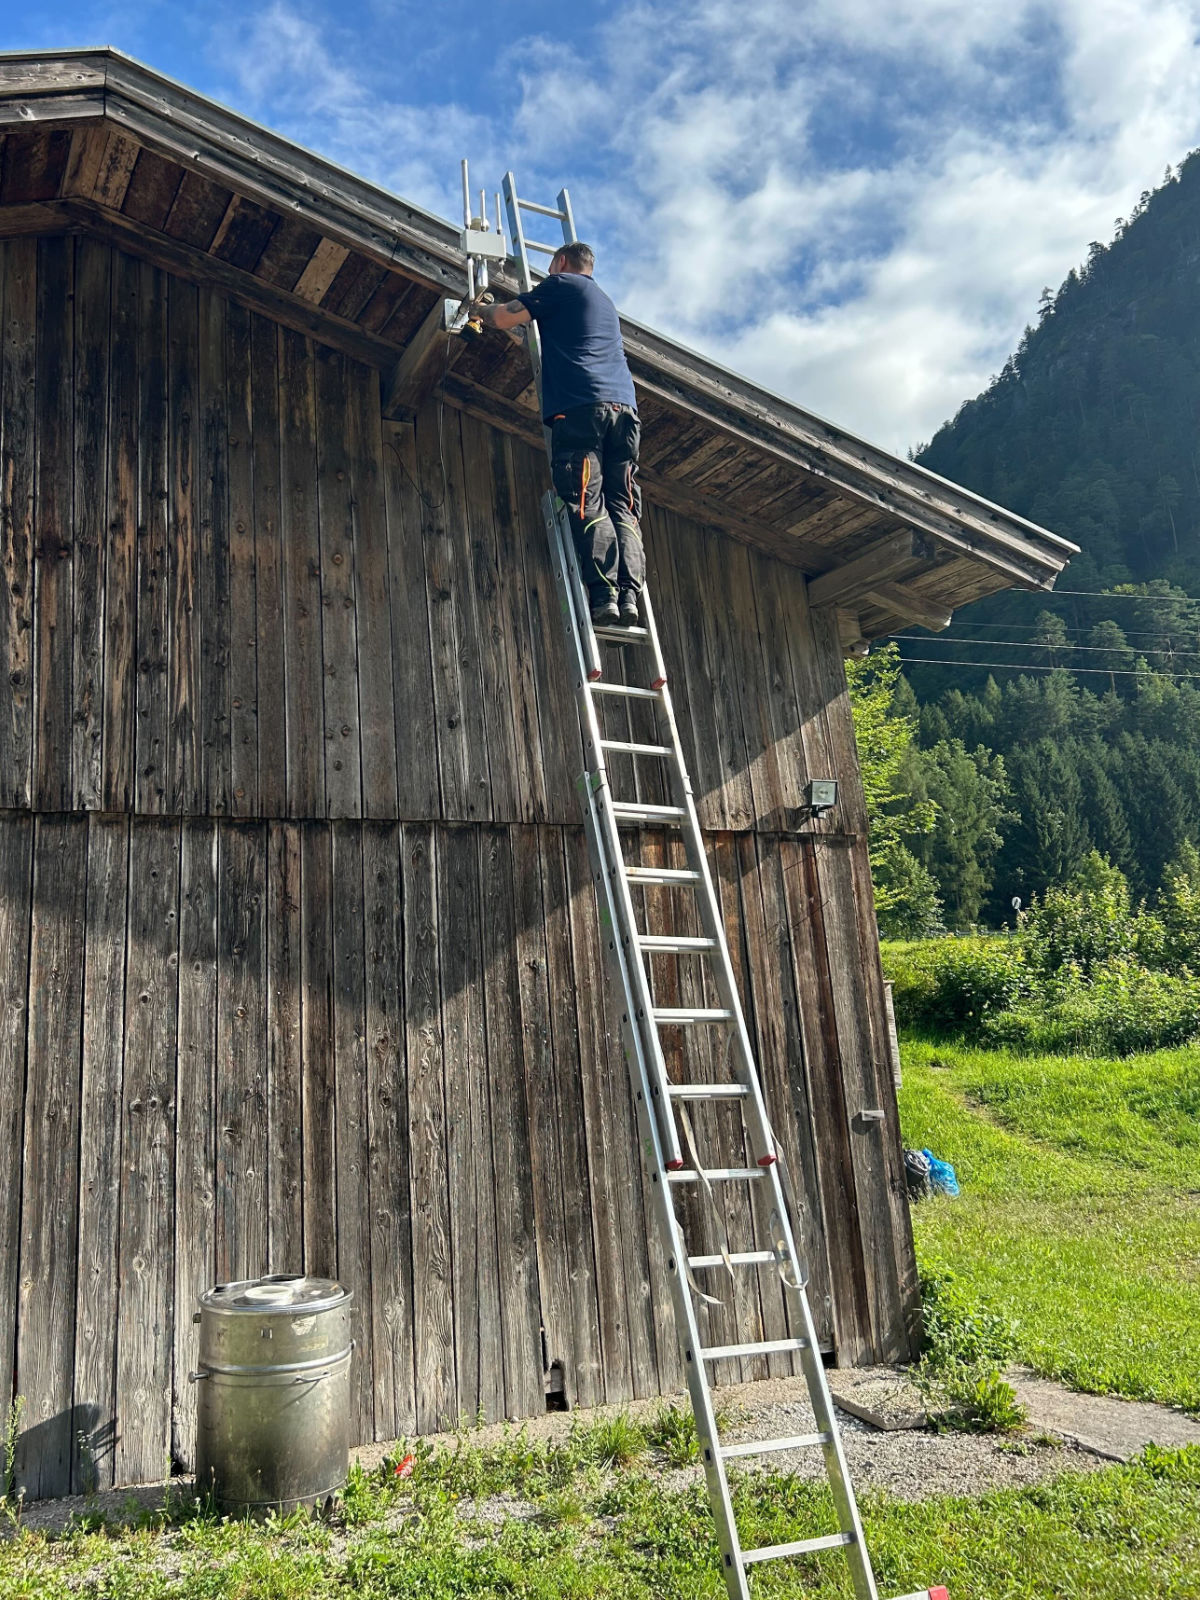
column 301, row 965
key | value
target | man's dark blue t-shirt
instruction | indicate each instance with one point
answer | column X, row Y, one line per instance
column 583, row 359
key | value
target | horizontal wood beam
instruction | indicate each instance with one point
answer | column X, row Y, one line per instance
column 880, row 561
column 900, row 601
column 428, row 357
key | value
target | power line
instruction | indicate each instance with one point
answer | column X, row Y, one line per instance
column 1144, row 599
column 1070, row 627
column 1015, row 666
column 1023, row 644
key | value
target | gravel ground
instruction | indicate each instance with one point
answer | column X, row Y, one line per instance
column 907, row 1463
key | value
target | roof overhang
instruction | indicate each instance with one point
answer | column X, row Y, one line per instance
column 94, row 141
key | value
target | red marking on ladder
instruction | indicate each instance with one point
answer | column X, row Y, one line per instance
column 767, row 1161
column 939, row 1592
column 595, row 674
column 658, row 683
column 675, row 1166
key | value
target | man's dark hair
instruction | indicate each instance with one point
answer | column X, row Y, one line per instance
column 578, row 257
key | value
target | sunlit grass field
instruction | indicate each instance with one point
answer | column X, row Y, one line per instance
column 1080, row 1210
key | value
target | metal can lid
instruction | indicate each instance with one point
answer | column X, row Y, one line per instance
column 280, row 1292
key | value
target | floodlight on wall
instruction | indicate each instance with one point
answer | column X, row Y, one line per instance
column 821, row 795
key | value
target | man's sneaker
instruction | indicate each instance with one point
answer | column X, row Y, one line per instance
column 605, row 613
column 627, row 607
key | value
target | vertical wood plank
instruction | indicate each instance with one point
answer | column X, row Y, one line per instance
column 241, row 1094
column 319, row 1084
column 113, row 482
column 810, row 955
column 90, row 626
column 376, row 705
column 17, row 456
column 195, row 1119
column 679, row 613
column 477, row 1332
column 622, row 1266
column 146, row 1262
column 339, row 631
column 50, row 1181
column 353, row 1154
column 303, row 689
column 285, row 1212
column 213, row 599
column 719, row 664
column 391, row 1305
column 752, row 902
column 54, row 549
column 586, row 1352
column 154, row 745
column 417, row 755
column 752, row 687
column 185, row 703
column 560, row 747
column 243, row 621
column 268, row 570
column 433, row 1282
column 100, row 1153
column 490, row 583
column 16, row 902
column 489, row 478
column 520, row 1308
column 775, row 623
column 554, row 1264
column 457, row 686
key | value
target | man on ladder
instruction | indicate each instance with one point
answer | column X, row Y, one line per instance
column 589, row 407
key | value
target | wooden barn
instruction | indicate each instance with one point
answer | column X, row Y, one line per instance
column 299, row 957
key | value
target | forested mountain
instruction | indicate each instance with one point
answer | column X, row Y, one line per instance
column 1048, row 725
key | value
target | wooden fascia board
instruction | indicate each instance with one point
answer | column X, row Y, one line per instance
column 896, row 600
column 1019, row 565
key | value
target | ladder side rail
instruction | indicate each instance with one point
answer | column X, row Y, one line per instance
column 638, row 996
column 837, row 1468
column 733, row 1567
column 712, row 919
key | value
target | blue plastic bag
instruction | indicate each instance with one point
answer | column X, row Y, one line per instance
column 941, row 1175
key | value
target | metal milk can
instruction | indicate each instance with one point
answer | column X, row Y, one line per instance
column 273, row 1392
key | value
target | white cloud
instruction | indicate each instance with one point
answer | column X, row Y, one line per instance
column 856, row 202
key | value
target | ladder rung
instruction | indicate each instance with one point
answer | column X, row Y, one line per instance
column 625, row 748
column 628, row 691
column 672, row 944
column 772, row 1552
column 631, row 811
column 717, row 1174
column 663, row 875
column 708, row 1091
column 764, row 1347
column 762, row 1447
column 682, row 1016
column 621, row 635
column 542, row 211
column 738, row 1258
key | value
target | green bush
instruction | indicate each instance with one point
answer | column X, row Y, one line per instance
column 966, row 1348
column 1088, row 922
column 1121, row 1008
column 1179, row 913
column 950, row 986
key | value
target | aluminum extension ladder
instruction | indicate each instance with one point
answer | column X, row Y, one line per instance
column 661, row 1103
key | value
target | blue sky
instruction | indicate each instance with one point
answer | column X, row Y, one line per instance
column 855, row 202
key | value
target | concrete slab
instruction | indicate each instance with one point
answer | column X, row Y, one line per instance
column 1114, row 1429
column 886, row 1397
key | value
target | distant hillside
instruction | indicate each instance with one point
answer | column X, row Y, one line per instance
column 1091, row 429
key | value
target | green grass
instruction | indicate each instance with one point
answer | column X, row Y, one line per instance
column 1080, row 1211
column 1127, row 1533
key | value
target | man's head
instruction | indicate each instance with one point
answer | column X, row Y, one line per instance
column 577, row 257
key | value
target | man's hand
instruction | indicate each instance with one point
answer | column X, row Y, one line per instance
column 512, row 315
